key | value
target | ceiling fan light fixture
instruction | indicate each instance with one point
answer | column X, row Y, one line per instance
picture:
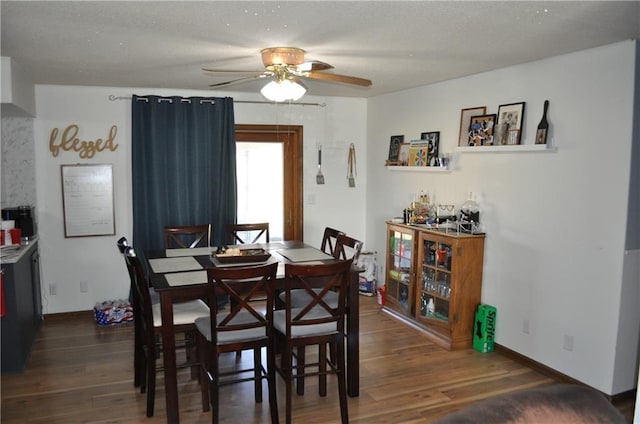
column 284, row 90
column 282, row 56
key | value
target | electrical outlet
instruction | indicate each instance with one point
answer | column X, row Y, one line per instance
column 567, row 342
column 525, row 326
column 52, row 290
column 84, row 287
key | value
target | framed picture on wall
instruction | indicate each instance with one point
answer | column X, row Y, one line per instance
column 433, row 146
column 481, row 130
column 510, row 118
column 394, row 149
column 465, row 122
column 403, row 156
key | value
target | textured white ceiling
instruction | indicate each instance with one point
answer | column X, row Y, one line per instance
column 396, row 44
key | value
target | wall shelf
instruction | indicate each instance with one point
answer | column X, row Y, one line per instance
column 515, row 148
column 435, row 169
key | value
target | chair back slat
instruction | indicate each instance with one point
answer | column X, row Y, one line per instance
column 140, row 287
column 329, row 240
column 187, row 236
column 347, row 248
column 317, row 280
column 241, row 285
column 248, row 233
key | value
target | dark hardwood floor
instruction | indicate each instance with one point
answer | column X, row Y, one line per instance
column 82, row 373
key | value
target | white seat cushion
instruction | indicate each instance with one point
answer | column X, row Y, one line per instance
column 279, row 323
column 183, row 313
column 300, row 298
column 203, row 324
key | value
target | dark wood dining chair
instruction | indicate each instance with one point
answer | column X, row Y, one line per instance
column 187, row 236
column 329, row 239
column 248, row 233
column 184, row 316
column 314, row 323
column 242, row 327
column 138, row 371
column 345, row 247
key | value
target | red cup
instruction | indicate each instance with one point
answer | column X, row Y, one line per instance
column 16, row 233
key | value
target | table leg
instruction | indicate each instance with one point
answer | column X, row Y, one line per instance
column 353, row 338
column 169, row 358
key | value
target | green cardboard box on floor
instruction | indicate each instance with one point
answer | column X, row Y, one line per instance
column 484, row 329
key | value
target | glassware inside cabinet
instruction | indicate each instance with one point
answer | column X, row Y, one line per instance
column 443, row 285
column 428, row 279
column 430, row 248
column 443, row 256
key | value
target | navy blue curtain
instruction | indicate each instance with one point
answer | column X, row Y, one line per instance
column 183, row 166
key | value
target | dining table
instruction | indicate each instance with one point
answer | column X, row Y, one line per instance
column 179, row 275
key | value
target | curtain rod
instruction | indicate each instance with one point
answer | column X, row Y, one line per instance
column 114, row 98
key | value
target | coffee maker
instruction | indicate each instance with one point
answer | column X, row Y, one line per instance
column 24, row 216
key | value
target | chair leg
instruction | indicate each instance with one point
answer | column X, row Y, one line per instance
column 322, row 369
column 271, row 382
column 201, row 348
column 138, row 370
column 151, row 383
column 300, row 365
column 215, row 395
column 287, row 364
column 257, row 374
column 342, row 382
column 143, row 370
column 191, row 353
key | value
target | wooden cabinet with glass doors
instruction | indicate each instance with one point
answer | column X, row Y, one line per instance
column 400, row 281
column 446, row 290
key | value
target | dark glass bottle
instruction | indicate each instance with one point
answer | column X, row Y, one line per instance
column 543, row 126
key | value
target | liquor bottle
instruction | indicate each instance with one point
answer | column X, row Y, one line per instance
column 543, row 126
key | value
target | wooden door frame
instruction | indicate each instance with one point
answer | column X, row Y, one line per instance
column 291, row 138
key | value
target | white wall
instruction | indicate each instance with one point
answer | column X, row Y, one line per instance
column 67, row 262
column 555, row 221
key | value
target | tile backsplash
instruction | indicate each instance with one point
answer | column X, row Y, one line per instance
column 18, row 162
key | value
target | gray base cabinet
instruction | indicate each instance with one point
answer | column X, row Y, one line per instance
column 23, row 308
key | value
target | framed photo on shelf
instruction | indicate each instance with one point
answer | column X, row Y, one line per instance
column 419, row 153
column 394, row 148
column 510, row 118
column 433, row 146
column 481, row 130
column 514, row 137
column 465, row 122
column 403, row 156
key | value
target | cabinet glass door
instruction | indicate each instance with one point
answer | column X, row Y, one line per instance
column 435, row 281
column 399, row 281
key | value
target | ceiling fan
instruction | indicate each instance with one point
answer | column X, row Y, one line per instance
column 287, row 66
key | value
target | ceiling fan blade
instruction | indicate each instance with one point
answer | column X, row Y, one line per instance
column 235, row 81
column 232, row 71
column 338, row 78
column 313, row 65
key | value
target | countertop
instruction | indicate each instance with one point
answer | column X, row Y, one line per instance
column 13, row 253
